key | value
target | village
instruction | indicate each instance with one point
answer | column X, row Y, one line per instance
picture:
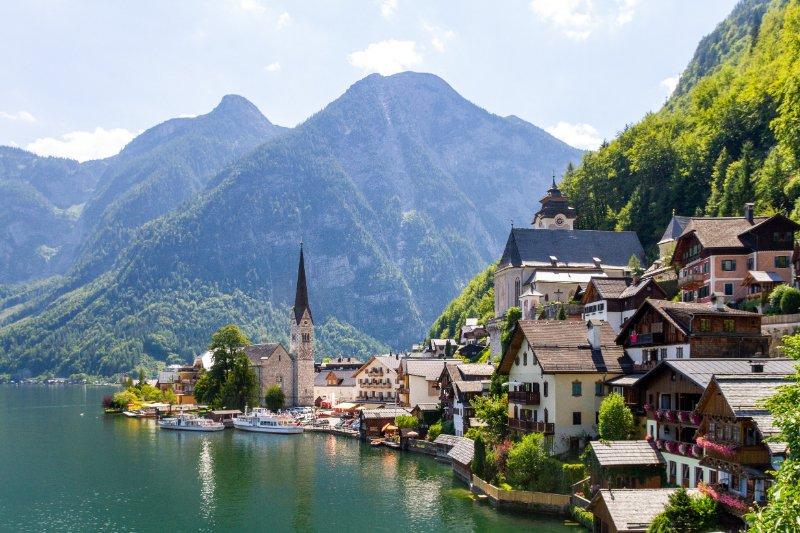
column 684, row 349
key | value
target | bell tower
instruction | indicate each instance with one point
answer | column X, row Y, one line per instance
column 555, row 213
column 301, row 345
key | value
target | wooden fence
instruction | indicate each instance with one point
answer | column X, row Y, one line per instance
column 544, row 502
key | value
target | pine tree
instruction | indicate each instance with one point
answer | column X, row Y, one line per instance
column 718, row 182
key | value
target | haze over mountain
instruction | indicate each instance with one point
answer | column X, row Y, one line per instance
column 401, row 190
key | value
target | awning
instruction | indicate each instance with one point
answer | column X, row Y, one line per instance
column 345, row 406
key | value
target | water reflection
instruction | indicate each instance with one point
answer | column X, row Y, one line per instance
column 205, row 471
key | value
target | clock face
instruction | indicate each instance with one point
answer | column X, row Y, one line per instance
column 560, row 220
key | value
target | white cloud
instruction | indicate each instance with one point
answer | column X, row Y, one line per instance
column 388, row 8
column 439, row 36
column 578, row 19
column 273, row 67
column 386, row 57
column 670, row 83
column 252, row 6
column 583, row 136
column 284, row 19
column 22, row 116
column 83, row 145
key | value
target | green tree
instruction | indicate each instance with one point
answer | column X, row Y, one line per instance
column 530, row 467
column 406, row 421
column 777, row 294
column 782, row 512
column 686, row 514
column 562, row 312
column 226, row 343
column 790, row 301
column 240, row 389
column 275, row 398
column 493, row 411
column 435, row 430
column 615, row 418
column 718, row 181
column 168, row 396
column 142, row 377
column 479, row 458
column 635, row 265
column 513, row 314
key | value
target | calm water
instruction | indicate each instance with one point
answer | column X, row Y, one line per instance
column 66, row 466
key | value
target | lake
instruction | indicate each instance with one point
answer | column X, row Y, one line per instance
column 66, row 466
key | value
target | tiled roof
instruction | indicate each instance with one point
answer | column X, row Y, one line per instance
column 700, row 371
column 745, row 394
column 674, row 229
column 562, row 346
column 430, row 369
column 628, row 380
column 476, row 370
column 613, row 248
column 256, row 352
column 634, row 288
column 388, row 412
column 720, row 232
column 759, row 276
column 625, row 452
column 427, row 406
column 345, row 378
column 610, row 288
column 463, row 451
column 633, row 509
column 447, row 440
column 470, row 386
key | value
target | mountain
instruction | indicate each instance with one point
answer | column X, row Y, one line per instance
column 728, row 135
column 43, row 198
column 400, row 190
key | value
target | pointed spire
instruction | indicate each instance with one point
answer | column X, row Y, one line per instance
column 301, row 296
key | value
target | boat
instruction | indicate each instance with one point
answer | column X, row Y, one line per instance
column 263, row 420
column 189, row 422
column 376, row 442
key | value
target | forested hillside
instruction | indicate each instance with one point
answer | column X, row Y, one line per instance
column 475, row 301
column 729, row 135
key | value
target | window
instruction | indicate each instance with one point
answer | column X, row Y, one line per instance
column 782, row 236
column 750, row 263
column 728, row 325
column 597, row 417
column 712, row 476
column 577, row 388
column 673, row 469
column 705, row 324
column 706, row 267
column 728, row 265
column 546, row 416
column 516, row 361
column 679, row 352
column 545, row 389
column 598, row 388
column 516, row 292
column 525, row 359
column 685, row 475
column 663, row 354
column 666, row 401
column 703, row 291
column 576, row 418
column 729, row 289
column 781, row 261
column 698, row 475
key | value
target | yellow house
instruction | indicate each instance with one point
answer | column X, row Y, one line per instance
column 556, row 370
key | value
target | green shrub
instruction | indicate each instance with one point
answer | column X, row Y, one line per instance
column 434, row 431
column 777, row 294
column 406, row 421
column 790, row 301
column 583, row 517
column 448, row 428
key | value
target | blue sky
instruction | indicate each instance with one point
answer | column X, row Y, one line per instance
column 80, row 79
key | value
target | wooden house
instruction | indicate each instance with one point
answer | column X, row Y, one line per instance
column 632, row 464
column 372, row 421
column 627, row 510
column 616, row 299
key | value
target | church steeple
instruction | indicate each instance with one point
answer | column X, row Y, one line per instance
column 555, row 213
column 301, row 296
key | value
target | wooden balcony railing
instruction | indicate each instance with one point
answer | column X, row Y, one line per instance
column 691, row 281
column 531, row 426
column 524, row 397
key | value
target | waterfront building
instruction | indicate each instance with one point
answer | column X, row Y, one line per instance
column 273, row 366
column 551, row 261
column 620, row 464
column 376, row 380
column 556, row 378
column 733, row 434
column 628, row 510
column 181, row 379
column 372, row 421
column 614, row 300
column 671, row 393
column 460, row 451
column 662, row 329
column 333, row 387
column 459, row 384
column 728, row 255
column 419, row 380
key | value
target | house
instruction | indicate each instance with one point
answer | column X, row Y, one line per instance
column 556, row 377
column 714, row 255
column 671, row 394
column 662, row 329
column 628, row 510
column 334, row 387
column 440, row 348
column 419, row 380
column 472, row 331
column 459, row 384
column 661, row 269
column 460, row 451
column 546, row 264
column 614, row 300
column 339, row 363
column 180, row 379
column 733, row 433
column 631, row 464
column 372, row 421
column 376, row 380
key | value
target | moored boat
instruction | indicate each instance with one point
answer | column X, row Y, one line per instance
column 189, row 422
column 263, row 420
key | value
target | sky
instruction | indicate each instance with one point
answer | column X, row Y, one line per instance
column 81, row 79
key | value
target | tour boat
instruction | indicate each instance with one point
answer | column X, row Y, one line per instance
column 187, row 422
column 263, row 420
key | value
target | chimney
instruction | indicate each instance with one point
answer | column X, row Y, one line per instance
column 748, row 212
column 756, row 367
column 593, row 335
column 716, row 302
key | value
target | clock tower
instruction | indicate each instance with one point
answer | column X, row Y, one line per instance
column 555, row 213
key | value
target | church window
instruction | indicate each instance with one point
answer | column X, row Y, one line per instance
column 306, row 337
column 525, row 359
column 516, row 292
column 516, row 361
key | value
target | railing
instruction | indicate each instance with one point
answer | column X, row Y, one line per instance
column 646, row 338
column 691, row 280
column 524, row 397
column 531, row 426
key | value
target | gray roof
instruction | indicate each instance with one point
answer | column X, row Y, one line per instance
column 700, row 370
column 777, row 448
column 388, row 412
column 427, row 406
column 626, row 453
column 430, row 369
column 448, row 440
column 257, row 352
column 628, row 380
column 527, row 245
column 470, row 386
column 633, row 509
column 463, row 451
column 761, row 276
column 390, row 361
column 345, row 377
column 674, row 228
column 745, row 396
column 610, row 288
column 476, row 370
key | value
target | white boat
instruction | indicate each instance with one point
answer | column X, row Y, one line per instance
column 265, row 421
column 189, row 422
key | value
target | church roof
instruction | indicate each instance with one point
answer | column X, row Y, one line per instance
column 257, row 352
column 613, row 248
column 674, row 229
column 301, row 296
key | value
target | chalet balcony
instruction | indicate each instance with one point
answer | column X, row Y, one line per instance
column 691, row 281
column 524, row 397
column 673, row 416
column 531, row 426
column 643, row 339
column 756, row 454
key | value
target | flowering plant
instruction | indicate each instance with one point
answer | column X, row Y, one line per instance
column 683, row 448
column 648, row 407
column 697, row 451
column 649, row 438
column 696, row 419
column 672, row 446
column 659, row 414
column 660, row 444
column 683, row 416
column 670, row 416
column 729, row 500
column 717, row 448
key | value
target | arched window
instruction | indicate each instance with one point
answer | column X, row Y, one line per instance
column 525, row 359
column 546, row 416
column 517, row 288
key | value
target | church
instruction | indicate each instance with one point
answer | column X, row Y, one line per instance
column 551, row 261
column 292, row 370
